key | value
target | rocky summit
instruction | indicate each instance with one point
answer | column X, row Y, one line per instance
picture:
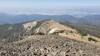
column 49, row 45
column 50, row 38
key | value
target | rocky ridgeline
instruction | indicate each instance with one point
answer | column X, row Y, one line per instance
column 50, row 38
column 50, row 27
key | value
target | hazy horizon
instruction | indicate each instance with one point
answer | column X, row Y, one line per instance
column 48, row 6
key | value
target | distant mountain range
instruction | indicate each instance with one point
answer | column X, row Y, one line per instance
column 12, row 19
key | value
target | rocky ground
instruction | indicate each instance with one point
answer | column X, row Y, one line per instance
column 48, row 45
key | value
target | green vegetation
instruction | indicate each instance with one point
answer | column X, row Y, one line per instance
column 84, row 29
column 11, row 32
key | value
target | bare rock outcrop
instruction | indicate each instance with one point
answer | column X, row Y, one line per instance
column 28, row 26
column 54, row 27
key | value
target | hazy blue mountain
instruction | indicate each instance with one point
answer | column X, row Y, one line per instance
column 12, row 19
column 90, row 19
column 5, row 18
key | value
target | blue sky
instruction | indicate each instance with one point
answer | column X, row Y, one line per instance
column 44, row 5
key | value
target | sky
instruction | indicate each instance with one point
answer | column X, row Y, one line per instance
column 44, row 6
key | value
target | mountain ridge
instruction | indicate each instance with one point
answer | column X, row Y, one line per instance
column 47, row 38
